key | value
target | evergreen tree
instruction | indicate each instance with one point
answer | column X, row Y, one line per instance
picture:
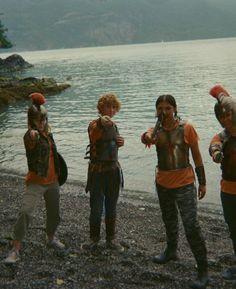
column 4, row 42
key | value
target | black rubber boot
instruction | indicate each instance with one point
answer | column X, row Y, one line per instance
column 202, row 278
column 170, row 253
column 95, row 232
column 110, row 228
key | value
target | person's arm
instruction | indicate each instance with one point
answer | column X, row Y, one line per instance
column 94, row 131
column 199, row 169
column 31, row 138
column 120, row 141
column 147, row 137
column 215, row 149
column 191, row 137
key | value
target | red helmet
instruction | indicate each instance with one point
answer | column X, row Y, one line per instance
column 36, row 111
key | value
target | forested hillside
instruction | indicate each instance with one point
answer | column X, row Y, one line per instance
column 49, row 24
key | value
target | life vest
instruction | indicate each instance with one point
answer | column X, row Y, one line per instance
column 172, row 151
column 228, row 164
column 38, row 157
column 105, row 149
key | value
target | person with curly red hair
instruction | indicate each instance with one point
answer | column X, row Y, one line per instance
column 104, row 172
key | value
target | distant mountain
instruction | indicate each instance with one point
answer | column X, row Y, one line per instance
column 52, row 24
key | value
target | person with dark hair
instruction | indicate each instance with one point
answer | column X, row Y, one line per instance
column 41, row 179
column 175, row 186
column 104, row 172
column 223, row 151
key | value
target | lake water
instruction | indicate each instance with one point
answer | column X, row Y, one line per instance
column 138, row 74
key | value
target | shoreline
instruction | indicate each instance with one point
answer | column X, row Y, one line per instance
column 139, row 229
column 132, row 196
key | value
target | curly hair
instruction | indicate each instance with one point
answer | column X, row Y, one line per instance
column 108, row 99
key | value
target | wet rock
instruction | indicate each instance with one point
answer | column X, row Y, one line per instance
column 14, row 62
column 13, row 88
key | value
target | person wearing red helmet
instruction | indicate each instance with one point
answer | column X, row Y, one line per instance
column 223, row 151
column 41, row 179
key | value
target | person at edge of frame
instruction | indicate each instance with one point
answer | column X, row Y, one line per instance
column 175, row 186
column 223, row 151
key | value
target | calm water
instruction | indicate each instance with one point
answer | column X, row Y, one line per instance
column 138, row 74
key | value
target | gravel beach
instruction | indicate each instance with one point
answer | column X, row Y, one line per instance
column 139, row 229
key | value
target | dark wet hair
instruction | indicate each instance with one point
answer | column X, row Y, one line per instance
column 167, row 98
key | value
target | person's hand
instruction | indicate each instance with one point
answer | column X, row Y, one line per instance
column 217, row 157
column 201, row 191
column 148, row 138
column 120, row 141
column 218, row 90
column 34, row 134
column 106, row 121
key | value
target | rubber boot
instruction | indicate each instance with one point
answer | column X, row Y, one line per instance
column 170, row 253
column 110, row 229
column 202, row 279
column 95, row 232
